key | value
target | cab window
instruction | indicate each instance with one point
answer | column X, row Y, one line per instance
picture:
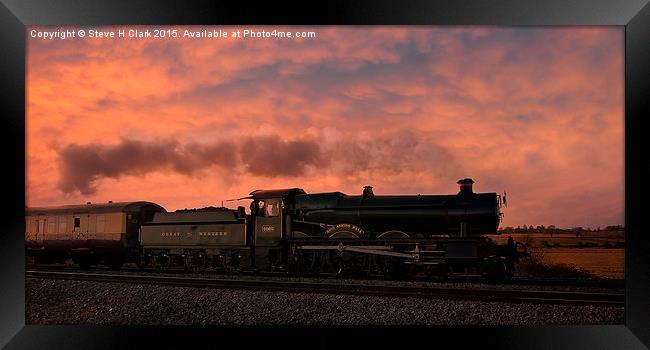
column 272, row 207
column 268, row 208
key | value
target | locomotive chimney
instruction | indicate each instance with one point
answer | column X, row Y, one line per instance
column 465, row 186
column 367, row 191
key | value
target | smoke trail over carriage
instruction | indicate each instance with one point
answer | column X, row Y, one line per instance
column 82, row 167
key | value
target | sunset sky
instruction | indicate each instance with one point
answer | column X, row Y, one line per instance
column 537, row 112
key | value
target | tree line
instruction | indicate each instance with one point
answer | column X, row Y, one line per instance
column 552, row 229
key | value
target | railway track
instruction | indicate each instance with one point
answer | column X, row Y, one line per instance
column 510, row 296
column 458, row 278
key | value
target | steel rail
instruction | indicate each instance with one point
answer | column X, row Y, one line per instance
column 453, row 278
column 510, row 296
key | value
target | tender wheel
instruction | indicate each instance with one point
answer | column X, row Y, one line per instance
column 163, row 262
column 234, row 263
column 219, row 263
column 197, row 262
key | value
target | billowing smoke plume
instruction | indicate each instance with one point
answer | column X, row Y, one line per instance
column 82, row 165
column 265, row 156
column 394, row 152
column 271, row 157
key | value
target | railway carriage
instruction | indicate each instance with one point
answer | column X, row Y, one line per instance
column 88, row 233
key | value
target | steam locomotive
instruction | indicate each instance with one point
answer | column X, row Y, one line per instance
column 288, row 231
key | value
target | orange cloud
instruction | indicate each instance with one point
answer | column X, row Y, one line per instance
column 185, row 123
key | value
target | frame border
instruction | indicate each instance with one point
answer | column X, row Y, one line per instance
column 15, row 15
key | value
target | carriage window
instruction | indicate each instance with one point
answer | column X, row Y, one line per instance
column 62, row 224
column 100, row 223
column 77, row 222
column 51, row 225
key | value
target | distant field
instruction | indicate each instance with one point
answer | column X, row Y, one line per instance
column 601, row 254
column 604, row 263
column 604, row 239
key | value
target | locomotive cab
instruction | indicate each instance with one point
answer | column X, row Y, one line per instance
column 270, row 221
column 267, row 214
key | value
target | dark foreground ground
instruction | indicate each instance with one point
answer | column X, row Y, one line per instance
column 82, row 302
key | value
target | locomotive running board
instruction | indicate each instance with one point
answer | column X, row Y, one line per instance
column 376, row 250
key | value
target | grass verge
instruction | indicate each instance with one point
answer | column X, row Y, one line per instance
column 535, row 266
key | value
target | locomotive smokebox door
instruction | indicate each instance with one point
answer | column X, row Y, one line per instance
column 268, row 222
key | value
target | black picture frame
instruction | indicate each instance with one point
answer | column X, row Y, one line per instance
column 16, row 14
